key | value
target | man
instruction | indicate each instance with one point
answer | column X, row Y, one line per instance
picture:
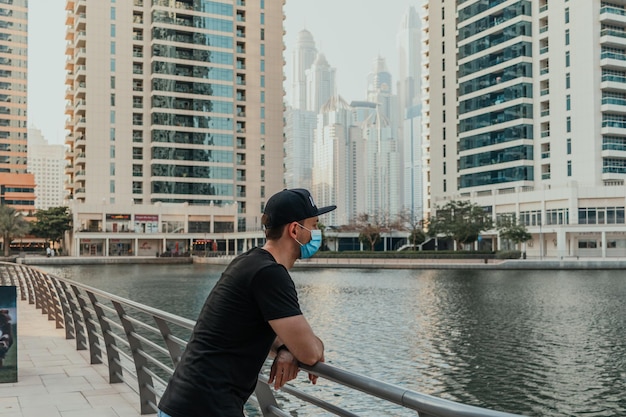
column 252, row 310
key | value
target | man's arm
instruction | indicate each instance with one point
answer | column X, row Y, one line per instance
column 297, row 335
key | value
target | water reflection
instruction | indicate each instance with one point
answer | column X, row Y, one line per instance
column 530, row 342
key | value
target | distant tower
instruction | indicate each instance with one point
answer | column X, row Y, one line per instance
column 409, row 97
column 379, row 87
column 332, row 179
column 303, row 57
column 320, row 83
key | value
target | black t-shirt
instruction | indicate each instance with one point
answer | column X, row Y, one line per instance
column 218, row 370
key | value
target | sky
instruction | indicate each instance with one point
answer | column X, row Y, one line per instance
column 350, row 33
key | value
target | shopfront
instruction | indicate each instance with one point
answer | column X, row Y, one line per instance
column 91, row 247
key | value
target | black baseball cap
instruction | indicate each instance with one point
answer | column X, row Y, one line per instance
column 291, row 205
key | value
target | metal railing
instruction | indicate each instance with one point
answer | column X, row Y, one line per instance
column 141, row 346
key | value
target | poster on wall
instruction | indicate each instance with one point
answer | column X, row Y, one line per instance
column 8, row 334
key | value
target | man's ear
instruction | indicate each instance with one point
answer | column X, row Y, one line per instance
column 292, row 229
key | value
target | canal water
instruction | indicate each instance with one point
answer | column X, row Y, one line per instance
column 539, row 343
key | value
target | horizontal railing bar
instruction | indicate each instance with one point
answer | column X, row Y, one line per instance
column 150, row 343
column 140, row 323
column 311, row 399
column 106, row 308
column 155, row 361
column 401, row 396
column 155, row 376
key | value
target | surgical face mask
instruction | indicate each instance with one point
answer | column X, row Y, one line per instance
column 309, row 249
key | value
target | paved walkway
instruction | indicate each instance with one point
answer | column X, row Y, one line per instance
column 56, row 380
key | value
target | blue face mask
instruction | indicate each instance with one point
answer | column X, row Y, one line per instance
column 309, row 249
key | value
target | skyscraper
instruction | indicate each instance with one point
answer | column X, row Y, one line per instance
column 313, row 85
column 16, row 185
column 47, row 163
column 178, row 105
column 410, row 110
column 303, row 57
column 526, row 117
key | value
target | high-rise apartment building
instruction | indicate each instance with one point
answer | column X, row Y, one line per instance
column 174, row 117
column 47, row 163
column 525, row 113
column 17, row 187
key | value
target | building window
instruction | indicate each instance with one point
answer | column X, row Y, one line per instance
column 569, row 146
column 112, row 30
column 262, row 34
column 568, row 124
column 566, row 36
column 262, row 112
column 262, row 128
column 568, row 102
column 113, row 99
column 112, row 134
column 262, row 18
column 112, row 64
column 567, row 15
column 262, row 49
column 567, row 80
column 262, row 65
column 112, row 186
column 567, row 59
column 569, row 168
column 112, row 47
column 262, row 80
column 112, row 117
column 112, row 13
column 112, row 169
column 112, row 151
column 112, row 81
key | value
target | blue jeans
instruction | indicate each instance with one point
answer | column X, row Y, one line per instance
column 162, row 414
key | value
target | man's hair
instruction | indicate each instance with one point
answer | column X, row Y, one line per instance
column 273, row 233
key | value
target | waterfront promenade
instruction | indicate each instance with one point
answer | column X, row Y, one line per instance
column 56, row 380
column 569, row 263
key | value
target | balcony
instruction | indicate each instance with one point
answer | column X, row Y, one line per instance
column 610, row 15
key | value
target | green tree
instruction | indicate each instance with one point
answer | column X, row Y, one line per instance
column 461, row 221
column 509, row 228
column 51, row 224
column 12, row 225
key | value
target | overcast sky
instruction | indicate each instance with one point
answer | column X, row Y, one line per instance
column 351, row 33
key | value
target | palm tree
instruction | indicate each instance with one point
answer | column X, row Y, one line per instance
column 12, row 225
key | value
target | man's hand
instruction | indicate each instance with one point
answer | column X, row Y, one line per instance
column 284, row 369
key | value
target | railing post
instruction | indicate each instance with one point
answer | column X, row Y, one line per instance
column 265, row 397
column 144, row 380
column 80, row 328
column 172, row 347
column 54, row 301
column 21, row 281
column 113, row 358
column 90, row 328
column 62, row 295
